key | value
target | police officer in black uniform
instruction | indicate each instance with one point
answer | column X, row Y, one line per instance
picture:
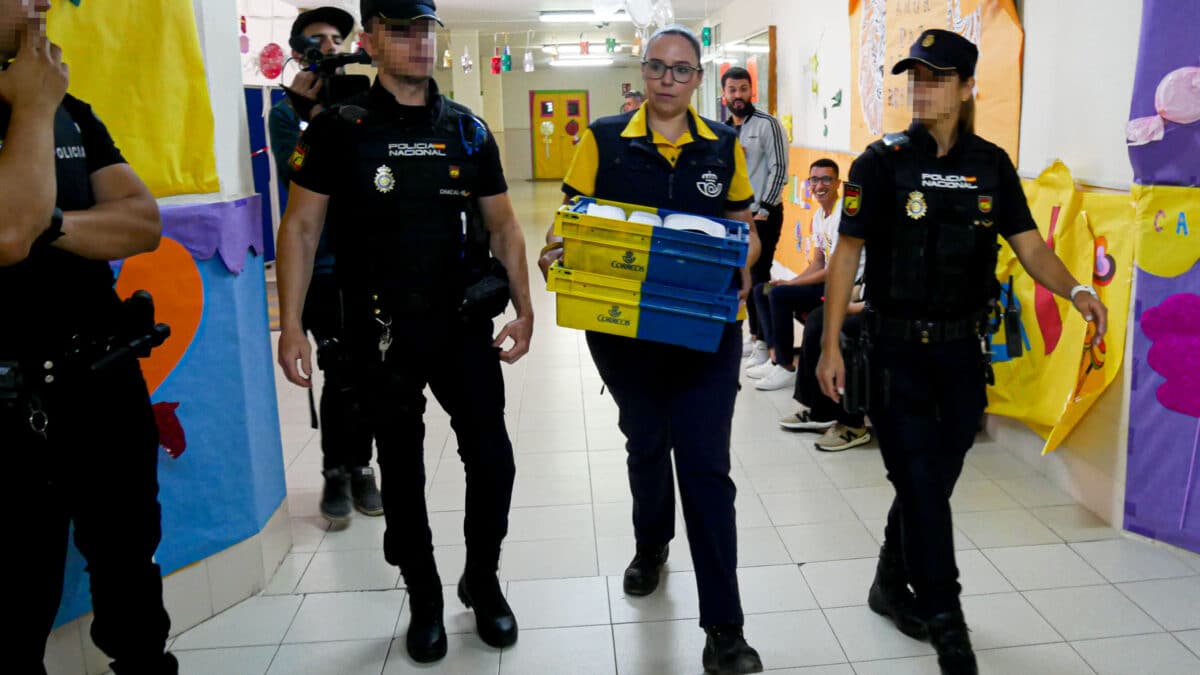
column 413, row 187
column 928, row 204
column 345, row 435
column 80, row 444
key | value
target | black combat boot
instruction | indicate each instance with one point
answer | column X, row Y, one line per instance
column 949, row 635
column 726, row 652
column 494, row 619
column 641, row 577
column 890, row 597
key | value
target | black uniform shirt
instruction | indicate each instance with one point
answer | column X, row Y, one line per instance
column 52, row 295
column 325, row 148
column 869, row 198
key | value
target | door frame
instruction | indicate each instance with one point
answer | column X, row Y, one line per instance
column 585, row 94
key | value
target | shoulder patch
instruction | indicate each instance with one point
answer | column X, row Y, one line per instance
column 852, row 199
column 296, row 162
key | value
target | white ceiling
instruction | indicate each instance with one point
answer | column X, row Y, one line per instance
column 519, row 16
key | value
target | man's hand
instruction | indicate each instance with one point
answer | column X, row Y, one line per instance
column 37, row 80
column 549, row 258
column 307, row 84
column 831, row 374
column 294, row 347
column 1093, row 311
column 520, row 330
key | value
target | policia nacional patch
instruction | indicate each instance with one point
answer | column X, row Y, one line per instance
column 852, row 200
column 297, row 159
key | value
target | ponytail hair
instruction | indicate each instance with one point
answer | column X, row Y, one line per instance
column 966, row 116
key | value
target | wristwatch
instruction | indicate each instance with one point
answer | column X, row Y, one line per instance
column 1083, row 288
column 53, row 232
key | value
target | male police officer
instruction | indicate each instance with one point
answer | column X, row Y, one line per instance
column 80, row 446
column 345, row 435
column 405, row 175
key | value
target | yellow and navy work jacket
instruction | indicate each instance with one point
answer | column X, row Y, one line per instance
column 621, row 159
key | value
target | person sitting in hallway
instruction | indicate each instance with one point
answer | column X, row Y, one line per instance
column 778, row 301
column 817, row 411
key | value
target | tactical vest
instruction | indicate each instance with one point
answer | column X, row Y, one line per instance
column 631, row 170
column 941, row 242
column 407, row 222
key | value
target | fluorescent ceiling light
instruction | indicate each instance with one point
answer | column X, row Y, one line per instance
column 580, row 62
column 584, row 16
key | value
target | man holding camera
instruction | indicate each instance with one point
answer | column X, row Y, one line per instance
column 79, row 436
column 411, row 186
column 345, row 435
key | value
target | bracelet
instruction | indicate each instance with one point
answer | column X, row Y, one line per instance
column 552, row 246
column 1083, row 288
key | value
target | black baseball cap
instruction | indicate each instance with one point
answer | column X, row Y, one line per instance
column 941, row 50
column 339, row 19
column 397, row 11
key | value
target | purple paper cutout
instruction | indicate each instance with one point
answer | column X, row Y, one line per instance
column 228, row 228
column 1167, row 43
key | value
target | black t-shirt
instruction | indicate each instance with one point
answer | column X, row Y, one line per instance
column 52, row 295
column 326, row 148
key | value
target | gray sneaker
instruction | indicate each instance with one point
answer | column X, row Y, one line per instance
column 802, row 420
column 840, row 437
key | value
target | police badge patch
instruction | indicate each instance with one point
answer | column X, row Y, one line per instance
column 296, row 161
column 916, row 207
column 985, row 204
column 385, row 181
column 852, row 201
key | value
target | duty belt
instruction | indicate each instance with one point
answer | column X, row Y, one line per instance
column 925, row 331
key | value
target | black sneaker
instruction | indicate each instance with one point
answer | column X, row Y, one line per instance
column 366, row 495
column 726, row 652
column 494, row 620
column 336, row 504
column 642, row 575
column 948, row 633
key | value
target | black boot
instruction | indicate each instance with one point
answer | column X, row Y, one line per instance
column 726, row 652
column 889, row 597
column 641, row 577
column 426, row 638
column 336, row 504
column 366, row 495
column 949, row 634
column 494, row 619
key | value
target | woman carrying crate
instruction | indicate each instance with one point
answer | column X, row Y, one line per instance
column 664, row 155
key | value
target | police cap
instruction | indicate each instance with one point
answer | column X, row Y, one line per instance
column 399, row 11
column 941, row 50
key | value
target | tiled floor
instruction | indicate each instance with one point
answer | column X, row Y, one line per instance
column 1048, row 588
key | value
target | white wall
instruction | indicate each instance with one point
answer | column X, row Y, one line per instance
column 218, row 30
column 1077, row 85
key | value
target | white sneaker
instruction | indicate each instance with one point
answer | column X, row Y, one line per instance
column 841, row 437
column 802, row 420
column 748, row 347
column 761, row 370
column 778, row 378
column 759, row 355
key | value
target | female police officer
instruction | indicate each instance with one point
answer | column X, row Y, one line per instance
column 665, row 155
column 928, row 204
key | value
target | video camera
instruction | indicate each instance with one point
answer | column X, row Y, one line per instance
column 324, row 65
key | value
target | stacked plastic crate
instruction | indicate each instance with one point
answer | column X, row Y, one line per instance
column 642, row 278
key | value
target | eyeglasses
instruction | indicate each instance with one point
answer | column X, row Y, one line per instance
column 823, row 180
column 681, row 73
